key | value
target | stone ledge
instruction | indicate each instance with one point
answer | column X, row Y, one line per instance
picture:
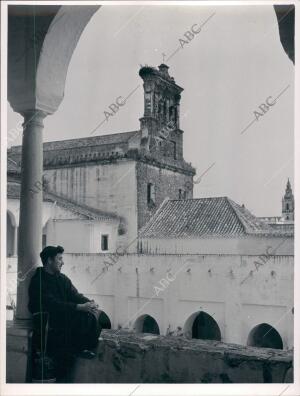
column 125, row 357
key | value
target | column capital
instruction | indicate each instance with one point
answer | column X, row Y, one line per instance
column 33, row 117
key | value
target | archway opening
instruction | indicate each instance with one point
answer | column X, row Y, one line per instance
column 146, row 324
column 265, row 336
column 104, row 320
column 202, row 326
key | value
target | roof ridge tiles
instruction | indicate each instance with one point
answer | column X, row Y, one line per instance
column 228, row 201
column 246, row 217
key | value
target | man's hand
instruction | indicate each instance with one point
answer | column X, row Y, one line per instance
column 89, row 306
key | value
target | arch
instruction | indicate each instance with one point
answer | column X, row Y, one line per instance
column 43, row 86
column 104, row 320
column 46, row 221
column 203, row 326
column 146, row 324
column 12, row 218
column 265, row 336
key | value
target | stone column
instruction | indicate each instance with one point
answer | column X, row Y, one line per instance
column 35, row 81
column 30, row 226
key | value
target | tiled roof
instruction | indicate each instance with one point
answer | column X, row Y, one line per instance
column 204, row 217
column 251, row 223
column 83, row 211
column 116, row 138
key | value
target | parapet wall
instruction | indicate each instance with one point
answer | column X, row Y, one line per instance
column 124, row 357
column 172, row 289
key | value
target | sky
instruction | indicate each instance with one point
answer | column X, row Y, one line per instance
column 231, row 67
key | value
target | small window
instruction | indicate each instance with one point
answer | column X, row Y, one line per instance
column 180, row 193
column 104, row 242
column 287, row 206
column 150, row 193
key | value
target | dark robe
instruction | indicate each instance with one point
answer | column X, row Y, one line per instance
column 69, row 330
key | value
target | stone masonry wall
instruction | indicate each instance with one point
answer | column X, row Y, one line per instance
column 145, row 358
column 166, row 183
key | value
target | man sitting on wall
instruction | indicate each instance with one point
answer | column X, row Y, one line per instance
column 73, row 319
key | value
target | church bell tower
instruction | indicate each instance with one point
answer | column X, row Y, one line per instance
column 288, row 203
column 161, row 119
column 162, row 172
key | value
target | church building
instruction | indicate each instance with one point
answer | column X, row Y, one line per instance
column 126, row 174
column 153, row 257
column 110, row 192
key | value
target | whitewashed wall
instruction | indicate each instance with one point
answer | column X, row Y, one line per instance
column 63, row 227
column 221, row 285
column 82, row 236
column 109, row 187
column 217, row 245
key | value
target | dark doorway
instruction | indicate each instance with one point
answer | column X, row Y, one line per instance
column 146, row 324
column 205, row 327
column 150, row 325
column 265, row 336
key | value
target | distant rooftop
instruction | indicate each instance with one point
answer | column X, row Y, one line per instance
column 204, row 217
column 104, row 148
column 82, row 210
column 115, row 138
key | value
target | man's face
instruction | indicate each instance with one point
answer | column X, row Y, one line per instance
column 56, row 263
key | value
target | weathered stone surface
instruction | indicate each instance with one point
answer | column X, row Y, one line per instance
column 18, row 341
column 138, row 358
